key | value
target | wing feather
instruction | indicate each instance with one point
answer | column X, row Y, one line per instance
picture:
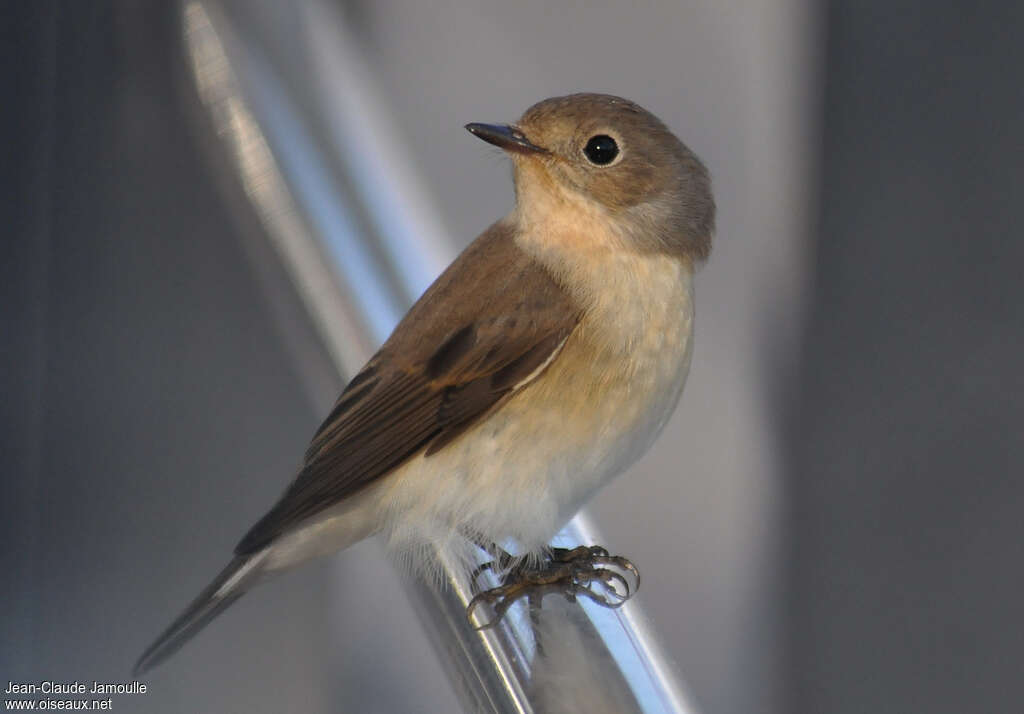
column 490, row 324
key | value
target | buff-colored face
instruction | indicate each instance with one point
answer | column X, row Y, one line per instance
column 609, row 150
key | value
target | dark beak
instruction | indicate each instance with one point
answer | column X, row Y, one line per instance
column 506, row 137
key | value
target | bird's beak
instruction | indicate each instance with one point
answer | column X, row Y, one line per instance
column 505, row 137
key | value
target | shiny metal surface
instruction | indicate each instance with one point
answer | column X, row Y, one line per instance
column 359, row 242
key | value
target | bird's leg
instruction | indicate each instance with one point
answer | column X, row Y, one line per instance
column 503, row 560
column 587, row 571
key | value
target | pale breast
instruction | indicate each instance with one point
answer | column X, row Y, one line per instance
column 527, row 468
column 629, row 362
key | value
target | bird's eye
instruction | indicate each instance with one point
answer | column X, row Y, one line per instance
column 601, row 150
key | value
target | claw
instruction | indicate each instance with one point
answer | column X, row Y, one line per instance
column 571, row 572
column 598, row 598
column 506, row 596
column 609, row 577
column 624, row 564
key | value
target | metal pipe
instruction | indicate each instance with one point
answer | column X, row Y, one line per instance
column 359, row 241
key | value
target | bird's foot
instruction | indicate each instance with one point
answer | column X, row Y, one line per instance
column 587, row 571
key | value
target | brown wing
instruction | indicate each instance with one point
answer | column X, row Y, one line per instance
column 490, row 322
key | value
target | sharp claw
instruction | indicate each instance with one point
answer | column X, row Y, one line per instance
column 609, row 578
column 597, row 597
column 471, row 608
column 473, row 605
column 569, row 571
column 623, row 563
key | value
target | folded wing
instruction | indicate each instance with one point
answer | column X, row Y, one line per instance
column 488, row 326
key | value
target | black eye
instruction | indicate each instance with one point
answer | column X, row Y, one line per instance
column 601, row 149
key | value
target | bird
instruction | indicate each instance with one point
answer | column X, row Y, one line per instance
column 542, row 363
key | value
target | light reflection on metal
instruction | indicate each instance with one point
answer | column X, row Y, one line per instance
column 331, row 309
column 355, row 280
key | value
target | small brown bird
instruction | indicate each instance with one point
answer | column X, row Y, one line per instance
column 543, row 362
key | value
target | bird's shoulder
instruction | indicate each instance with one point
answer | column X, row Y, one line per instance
column 494, row 286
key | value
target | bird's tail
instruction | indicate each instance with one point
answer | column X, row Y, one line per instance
column 233, row 582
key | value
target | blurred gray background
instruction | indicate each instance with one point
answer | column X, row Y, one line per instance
column 833, row 520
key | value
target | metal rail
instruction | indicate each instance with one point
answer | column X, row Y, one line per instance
column 358, row 241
